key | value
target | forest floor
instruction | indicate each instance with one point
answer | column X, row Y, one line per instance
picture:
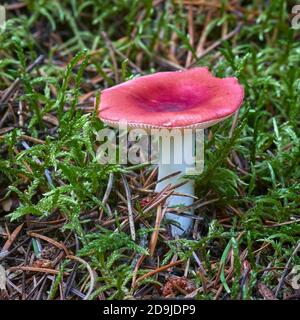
column 59, row 239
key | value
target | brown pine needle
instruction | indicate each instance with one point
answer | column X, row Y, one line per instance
column 54, row 242
column 160, row 269
column 12, row 238
column 159, row 216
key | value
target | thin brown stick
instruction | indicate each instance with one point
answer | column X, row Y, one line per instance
column 108, row 189
column 150, row 178
column 159, row 201
column 164, row 178
column 129, row 205
column 15, row 6
column 282, row 223
column 159, row 216
column 35, row 269
column 286, row 269
column 32, row 139
column 12, row 89
column 191, row 33
column 213, row 4
column 112, row 55
column 160, row 269
column 47, row 239
column 204, row 33
column 12, row 238
column 217, row 44
column 234, row 123
column 91, row 273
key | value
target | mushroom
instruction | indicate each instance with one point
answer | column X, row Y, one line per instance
column 191, row 99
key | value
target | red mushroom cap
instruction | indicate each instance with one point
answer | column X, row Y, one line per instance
column 180, row 99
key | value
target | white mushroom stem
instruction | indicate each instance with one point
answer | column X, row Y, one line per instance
column 177, row 155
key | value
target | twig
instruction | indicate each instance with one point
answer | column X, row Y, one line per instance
column 41, row 282
column 6, row 114
column 11, row 90
column 217, row 44
column 150, row 177
column 214, row 4
column 15, row 6
column 286, row 270
column 234, row 123
column 191, row 34
column 168, row 63
column 203, row 37
column 24, row 274
column 198, row 261
column 129, row 205
column 73, row 290
column 91, row 273
column 112, row 55
column 12, row 238
column 160, row 269
column 159, row 216
column 6, row 253
column 32, row 139
column 47, row 239
column 132, row 64
column 198, row 204
column 164, row 178
column 35, row 269
column 282, row 223
column 162, row 197
column 108, row 189
column 69, row 283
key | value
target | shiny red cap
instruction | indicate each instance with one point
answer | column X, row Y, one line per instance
column 180, row 99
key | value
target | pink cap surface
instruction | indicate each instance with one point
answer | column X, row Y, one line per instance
column 180, row 99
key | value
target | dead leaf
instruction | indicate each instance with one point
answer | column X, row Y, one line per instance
column 42, row 263
column 176, row 285
column 266, row 293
